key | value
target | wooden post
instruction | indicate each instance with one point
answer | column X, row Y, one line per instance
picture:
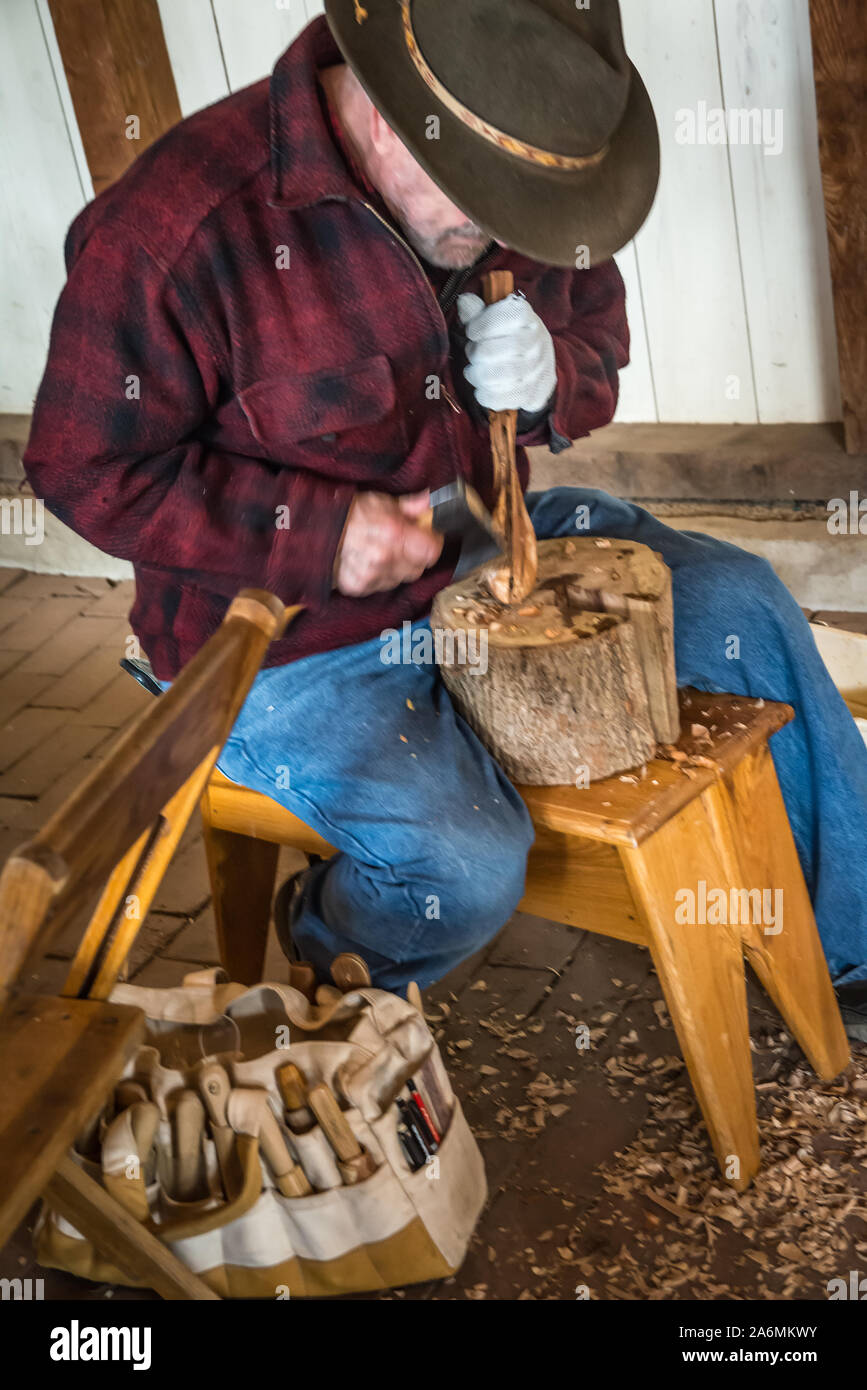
column 701, row 971
column 117, row 66
column 839, row 30
column 242, row 870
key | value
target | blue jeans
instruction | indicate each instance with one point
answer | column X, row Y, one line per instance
column 433, row 838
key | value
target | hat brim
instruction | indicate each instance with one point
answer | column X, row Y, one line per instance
column 546, row 214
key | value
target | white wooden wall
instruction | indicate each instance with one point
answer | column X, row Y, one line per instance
column 728, row 283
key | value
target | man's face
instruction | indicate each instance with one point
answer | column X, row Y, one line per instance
column 434, row 227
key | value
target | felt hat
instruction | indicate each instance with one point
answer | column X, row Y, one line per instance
column 544, row 133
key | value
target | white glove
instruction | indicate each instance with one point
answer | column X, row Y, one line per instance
column 510, row 352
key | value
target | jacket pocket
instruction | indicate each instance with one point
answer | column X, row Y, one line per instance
column 345, row 421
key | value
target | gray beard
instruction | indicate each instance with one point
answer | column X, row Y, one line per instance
column 447, row 251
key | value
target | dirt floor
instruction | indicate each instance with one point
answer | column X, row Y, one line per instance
column 602, row 1180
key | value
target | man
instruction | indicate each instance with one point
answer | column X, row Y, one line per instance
column 272, row 345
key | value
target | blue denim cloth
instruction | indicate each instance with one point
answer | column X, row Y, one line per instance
column 433, row 838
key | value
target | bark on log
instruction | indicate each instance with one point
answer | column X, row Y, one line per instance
column 578, row 681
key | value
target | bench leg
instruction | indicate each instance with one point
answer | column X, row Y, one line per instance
column 242, row 872
column 701, row 970
column 117, row 1235
column 786, row 955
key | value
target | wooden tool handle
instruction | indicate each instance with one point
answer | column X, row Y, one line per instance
column 497, row 284
column 249, row 1112
column 145, row 1123
column 292, row 1086
column 127, row 1093
column 214, row 1087
column 513, row 583
column 334, row 1124
column 188, row 1128
column 290, row 1175
column 357, row 1169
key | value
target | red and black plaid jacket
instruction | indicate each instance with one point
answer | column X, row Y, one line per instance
column 244, row 341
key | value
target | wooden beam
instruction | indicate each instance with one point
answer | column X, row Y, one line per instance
column 117, row 66
column 119, row 1237
column 719, row 463
column 839, row 30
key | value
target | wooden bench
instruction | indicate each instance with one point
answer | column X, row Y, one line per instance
column 617, row 858
column 112, row 841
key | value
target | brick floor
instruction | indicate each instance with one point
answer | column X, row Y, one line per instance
column 62, row 704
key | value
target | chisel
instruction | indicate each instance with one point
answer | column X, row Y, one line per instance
column 214, row 1087
column 293, row 1090
column 127, row 1093
column 354, row 1163
column 188, row 1128
column 249, row 1112
column 145, row 1120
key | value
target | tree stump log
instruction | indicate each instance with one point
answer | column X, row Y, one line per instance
column 575, row 683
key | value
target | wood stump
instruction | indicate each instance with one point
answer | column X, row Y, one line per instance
column 575, row 683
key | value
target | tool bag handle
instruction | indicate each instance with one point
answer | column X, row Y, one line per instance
column 205, row 996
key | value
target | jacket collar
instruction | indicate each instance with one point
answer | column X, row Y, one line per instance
column 306, row 164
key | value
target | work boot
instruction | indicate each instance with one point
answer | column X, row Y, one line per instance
column 852, row 1000
column 286, row 905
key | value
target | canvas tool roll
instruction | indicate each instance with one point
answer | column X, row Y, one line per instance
column 198, row 1144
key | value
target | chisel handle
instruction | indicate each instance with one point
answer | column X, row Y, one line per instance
column 214, row 1088
column 290, row 1176
column 334, row 1124
column 249, row 1113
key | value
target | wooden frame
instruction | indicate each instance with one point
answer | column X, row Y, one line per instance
column 713, row 463
column 839, row 31
column 117, row 65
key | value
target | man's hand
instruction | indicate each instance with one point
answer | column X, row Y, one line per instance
column 512, row 365
column 383, row 545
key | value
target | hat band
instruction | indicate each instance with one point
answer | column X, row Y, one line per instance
column 484, row 128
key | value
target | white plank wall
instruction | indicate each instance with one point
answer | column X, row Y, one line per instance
column 688, row 257
column 41, row 190
column 766, row 61
column 193, row 43
column 637, row 397
column 728, row 288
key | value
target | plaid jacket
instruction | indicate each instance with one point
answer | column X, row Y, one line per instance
column 244, row 341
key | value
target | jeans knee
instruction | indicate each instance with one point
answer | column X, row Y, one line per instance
column 752, row 577
column 477, row 884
